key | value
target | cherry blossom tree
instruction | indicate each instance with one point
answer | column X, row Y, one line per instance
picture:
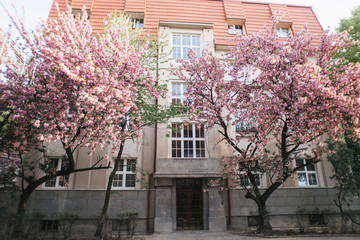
column 283, row 96
column 77, row 89
column 147, row 111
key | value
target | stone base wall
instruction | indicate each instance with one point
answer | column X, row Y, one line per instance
column 286, row 206
column 86, row 204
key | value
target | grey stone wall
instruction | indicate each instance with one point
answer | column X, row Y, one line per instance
column 283, row 204
column 87, row 204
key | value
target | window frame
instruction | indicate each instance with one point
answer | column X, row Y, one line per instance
column 242, row 175
column 137, row 23
column 281, row 33
column 181, row 96
column 180, row 137
column 234, row 30
column 247, row 126
column 57, row 179
column 182, row 46
column 124, row 172
column 307, row 172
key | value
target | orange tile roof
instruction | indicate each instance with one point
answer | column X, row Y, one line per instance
column 80, row 3
column 62, row 7
column 135, row 6
column 233, row 9
column 216, row 12
column 281, row 11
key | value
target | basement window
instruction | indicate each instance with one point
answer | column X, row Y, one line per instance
column 316, row 220
column 50, row 225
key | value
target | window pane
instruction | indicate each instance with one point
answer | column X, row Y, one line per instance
column 121, row 165
column 176, row 89
column 302, row 179
column 130, row 180
column 131, row 165
column 188, row 133
column 63, row 181
column 176, row 131
column 188, row 149
column 50, row 183
column 176, row 149
column 312, row 179
column 196, row 41
column 177, row 52
column 185, row 52
column 197, row 52
column 176, row 39
column 53, row 164
column 298, row 163
column 311, row 167
column 199, row 131
column 117, row 182
column 186, row 40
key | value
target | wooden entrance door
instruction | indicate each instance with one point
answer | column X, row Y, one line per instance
column 189, row 204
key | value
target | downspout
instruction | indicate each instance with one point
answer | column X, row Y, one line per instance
column 155, row 153
column 228, row 200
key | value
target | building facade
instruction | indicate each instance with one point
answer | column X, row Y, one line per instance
column 175, row 194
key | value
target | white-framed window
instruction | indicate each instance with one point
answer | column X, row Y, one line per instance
column 178, row 91
column 242, row 74
column 187, row 141
column 138, row 23
column 242, row 125
column 125, row 174
column 283, row 32
column 244, row 180
column 182, row 43
column 235, row 29
column 306, row 175
column 57, row 164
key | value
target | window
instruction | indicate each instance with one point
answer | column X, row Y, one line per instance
column 306, row 175
column 235, row 29
column 243, row 125
column 182, row 44
column 138, row 23
column 50, row 225
column 58, row 164
column 187, row 141
column 245, row 181
column 125, row 174
column 283, row 32
column 242, row 74
column 178, row 93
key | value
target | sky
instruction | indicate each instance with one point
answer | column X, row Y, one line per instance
column 328, row 12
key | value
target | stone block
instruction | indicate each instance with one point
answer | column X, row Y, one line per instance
column 275, row 202
column 306, row 192
column 217, row 224
column 163, row 224
column 323, row 200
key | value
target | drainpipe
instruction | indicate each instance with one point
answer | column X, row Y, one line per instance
column 155, row 153
column 228, row 200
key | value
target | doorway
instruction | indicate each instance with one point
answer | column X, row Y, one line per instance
column 189, row 212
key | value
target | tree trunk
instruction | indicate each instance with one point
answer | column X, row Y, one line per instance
column 264, row 221
column 20, row 226
column 102, row 217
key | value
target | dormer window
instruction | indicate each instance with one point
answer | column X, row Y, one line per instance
column 235, row 29
column 283, row 32
column 138, row 23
